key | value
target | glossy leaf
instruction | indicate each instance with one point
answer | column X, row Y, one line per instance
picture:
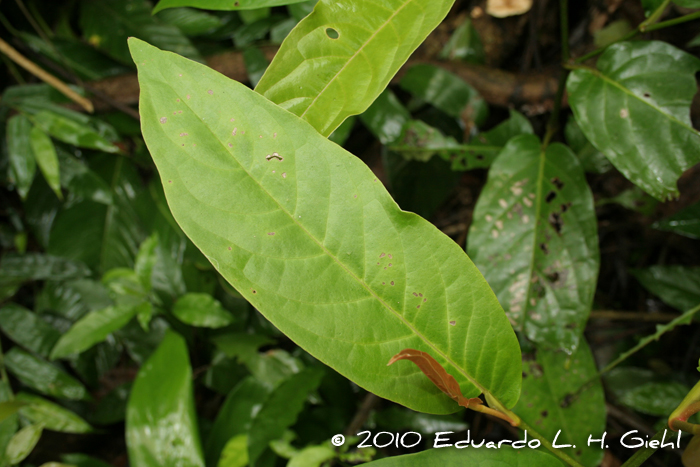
column 27, row 329
column 52, row 416
column 72, row 132
column 359, row 57
column 452, row 457
column 235, row 417
column 686, row 222
column 235, row 453
column 35, row 266
column 280, row 411
column 93, row 328
column 534, row 236
column 203, row 310
column 108, row 23
column 644, row 391
column 635, row 107
column 222, row 4
column 464, row 44
column 81, row 182
column 447, row 92
column 161, row 426
column 46, row 158
column 190, row 21
column 386, row 117
column 546, row 401
column 678, row 286
column 19, row 153
column 43, row 376
column 251, row 204
column 22, row 443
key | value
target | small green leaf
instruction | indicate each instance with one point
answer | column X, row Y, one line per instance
column 83, row 460
column 451, row 457
column 52, row 416
column 590, row 158
column 686, row 222
column 549, row 380
column 93, row 328
column 27, row 329
column 251, row 205
column 312, row 456
column 688, row 3
column 644, row 391
column 373, row 46
column 235, row 417
column 80, row 181
column 255, row 64
column 146, row 260
column 226, row 5
column 161, row 426
column 447, row 92
column 43, row 376
column 37, row 267
column 9, row 408
column 241, row 345
column 20, row 154
column 235, row 453
column 386, row 117
column 46, row 158
column 190, row 21
column 203, row 310
column 677, row 286
column 464, row 44
column 534, row 236
column 280, row 410
column 635, row 107
column 72, row 132
column 22, row 443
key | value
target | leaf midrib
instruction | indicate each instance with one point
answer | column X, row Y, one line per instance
column 410, row 326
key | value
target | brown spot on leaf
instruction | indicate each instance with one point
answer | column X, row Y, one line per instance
column 544, row 248
column 557, row 183
column 210, row 92
column 453, row 323
column 550, row 196
column 556, row 222
column 163, row 119
column 544, row 414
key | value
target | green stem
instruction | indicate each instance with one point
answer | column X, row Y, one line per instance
column 553, row 122
column 557, row 452
column 673, row 22
column 644, row 453
column 646, row 25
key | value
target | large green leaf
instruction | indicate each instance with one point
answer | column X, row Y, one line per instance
column 52, row 416
column 280, row 410
column 678, row 286
column 635, row 108
column 548, row 378
column 306, row 233
column 43, row 376
column 27, row 329
column 93, row 328
column 468, row 456
column 358, row 55
column 222, row 4
column 534, row 237
column 161, row 426
column 20, row 154
column 108, row 23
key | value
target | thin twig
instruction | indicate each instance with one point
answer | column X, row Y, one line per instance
column 553, row 122
column 633, row 316
column 48, row 78
column 368, row 404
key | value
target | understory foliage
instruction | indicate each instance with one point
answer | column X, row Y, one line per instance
column 377, row 234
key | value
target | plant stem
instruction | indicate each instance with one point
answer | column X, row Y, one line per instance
column 553, row 122
column 557, row 452
column 644, row 453
column 646, row 25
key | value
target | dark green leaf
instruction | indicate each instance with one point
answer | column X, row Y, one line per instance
column 203, row 310
column 464, row 44
column 139, row 343
column 386, row 117
column 240, row 345
column 447, row 92
column 280, row 411
column 249, row 33
column 253, row 15
column 43, row 376
column 635, row 107
column 190, row 21
column 72, row 299
column 340, row 135
column 685, row 222
column 372, row 46
column 534, row 236
column 81, row 182
column 451, row 457
column 546, row 401
column 72, row 132
column 591, row 159
column 108, row 23
column 235, row 417
column 222, row 4
column 83, row 460
column 301, row 10
column 19, row 153
column 27, row 329
column 9, row 408
column 22, row 443
column 643, row 391
column 112, row 407
column 8, row 426
column 678, row 286
column 398, row 418
column 46, row 158
column 35, row 266
column 52, row 416
column 255, row 64
column 161, row 426
column 93, row 328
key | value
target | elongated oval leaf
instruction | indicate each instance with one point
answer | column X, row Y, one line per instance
column 685, row 222
column 635, row 109
column 93, row 328
column 43, row 376
column 201, row 309
column 551, row 401
column 46, row 158
column 27, row 329
column 678, row 286
column 161, row 426
column 20, row 154
column 22, row 443
column 52, row 416
column 357, row 57
column 307, row 234
column 468, row 456
column 72, row 131
column 534, row 236
column 225, row 5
